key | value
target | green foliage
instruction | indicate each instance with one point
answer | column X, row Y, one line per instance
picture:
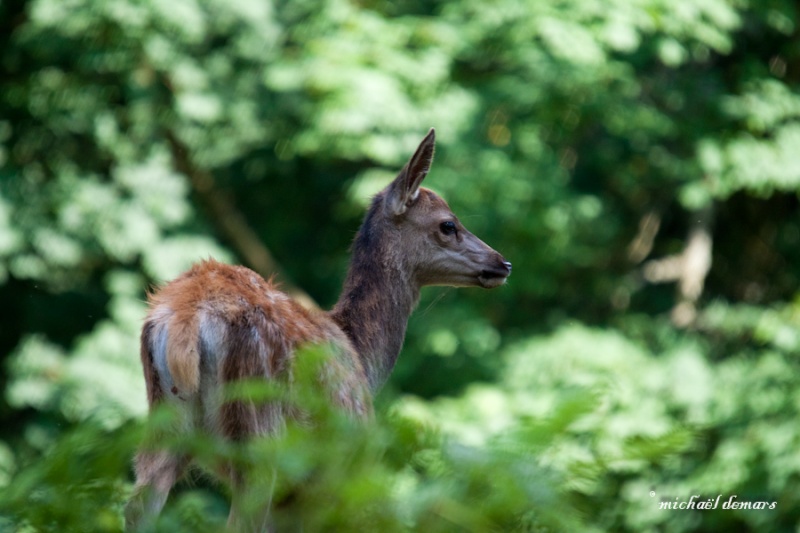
column 79, row 486
column 557, row 402
column 605, row 412
column 327, row 473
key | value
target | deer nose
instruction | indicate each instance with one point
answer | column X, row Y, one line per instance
column 507, row 264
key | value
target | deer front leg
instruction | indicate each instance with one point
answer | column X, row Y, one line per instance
column 156, row 473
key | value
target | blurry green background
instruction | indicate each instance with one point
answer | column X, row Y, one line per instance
column 638, row 162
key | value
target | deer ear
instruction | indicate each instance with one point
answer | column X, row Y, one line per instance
column 405, row 187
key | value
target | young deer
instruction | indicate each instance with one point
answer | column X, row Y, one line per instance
column 216, row 324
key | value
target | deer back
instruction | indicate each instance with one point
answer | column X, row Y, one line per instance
column 217, row 324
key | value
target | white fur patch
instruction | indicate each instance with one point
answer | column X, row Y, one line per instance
column 160, row 318
column 213, row 339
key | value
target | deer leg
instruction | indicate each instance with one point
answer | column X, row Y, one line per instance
column 156, row 473
column 247, row 516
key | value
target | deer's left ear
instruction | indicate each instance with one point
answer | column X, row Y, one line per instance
column 405, row 187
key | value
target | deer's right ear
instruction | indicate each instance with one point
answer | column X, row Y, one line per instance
column 405, row 187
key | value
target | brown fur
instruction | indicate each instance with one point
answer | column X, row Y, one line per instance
column 183, row 358
column 154, row 392
column 218, row 324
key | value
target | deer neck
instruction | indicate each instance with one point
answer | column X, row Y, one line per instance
column 377, row 299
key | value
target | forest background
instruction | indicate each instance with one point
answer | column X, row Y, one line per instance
column 637, row 160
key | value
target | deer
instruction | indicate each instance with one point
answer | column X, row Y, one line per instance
column 217, row 324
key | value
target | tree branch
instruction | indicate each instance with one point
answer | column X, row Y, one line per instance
column 641, row 245
column 230, row 222
column 689, row 269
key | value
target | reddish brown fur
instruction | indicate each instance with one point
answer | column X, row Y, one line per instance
column 262, row 327
column 184, row 356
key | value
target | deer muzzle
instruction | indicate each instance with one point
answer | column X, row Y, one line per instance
column 495, row 276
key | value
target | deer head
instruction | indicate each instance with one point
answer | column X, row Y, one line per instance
column 438, row 249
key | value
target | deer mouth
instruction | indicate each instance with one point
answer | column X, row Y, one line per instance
column 491, row 278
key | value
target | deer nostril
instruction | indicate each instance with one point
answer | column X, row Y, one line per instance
column 507, row 264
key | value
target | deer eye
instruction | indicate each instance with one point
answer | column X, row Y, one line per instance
column 448, row 227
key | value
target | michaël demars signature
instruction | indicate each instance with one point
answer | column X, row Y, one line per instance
column 696, row 502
